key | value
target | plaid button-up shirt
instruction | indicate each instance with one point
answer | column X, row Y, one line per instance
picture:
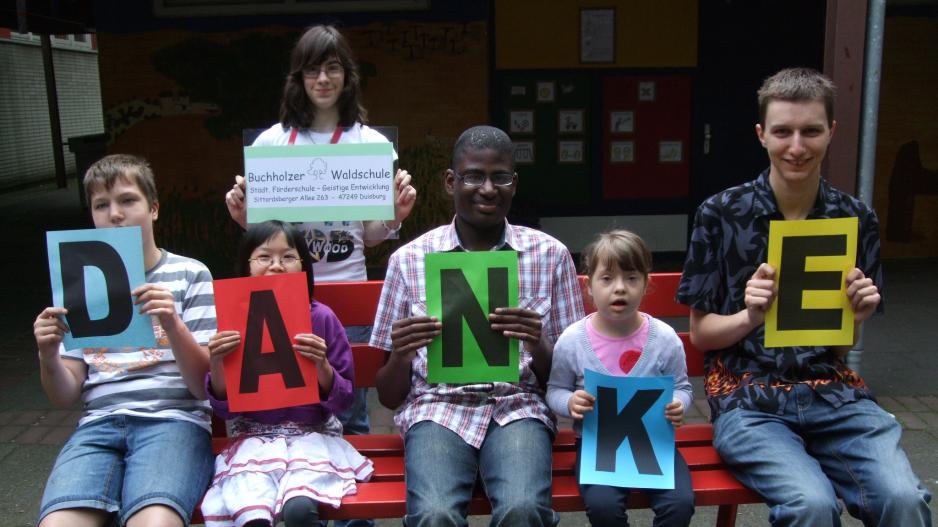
column 547, row 284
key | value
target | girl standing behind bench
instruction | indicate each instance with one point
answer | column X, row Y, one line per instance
column 285, row 461
column 618, row 339
column 321, row 104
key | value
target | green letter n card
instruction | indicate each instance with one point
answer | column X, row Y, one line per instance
column 463, row 288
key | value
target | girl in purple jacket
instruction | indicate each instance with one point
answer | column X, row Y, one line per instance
column 285, row 462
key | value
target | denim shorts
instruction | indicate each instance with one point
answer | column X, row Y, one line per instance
column 122, row 463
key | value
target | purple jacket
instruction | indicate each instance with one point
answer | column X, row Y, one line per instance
column 339, row 353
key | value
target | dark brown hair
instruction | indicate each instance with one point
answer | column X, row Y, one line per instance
column 317, row 45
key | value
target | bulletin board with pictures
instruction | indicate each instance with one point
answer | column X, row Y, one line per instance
column 645, row 136
column 548, row 119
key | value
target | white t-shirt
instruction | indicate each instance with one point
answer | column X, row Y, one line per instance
column 339, row 245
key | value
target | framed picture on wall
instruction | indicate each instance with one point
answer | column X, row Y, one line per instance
column 670, row 151
column 570, row 151
column 521, row 122
column 621, row 122
column 545, row 91
column 523, row 153
column 646, row 91
column 622, row 152
column 598, row 35
column 570, row 121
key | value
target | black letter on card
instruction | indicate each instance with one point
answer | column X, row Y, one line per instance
column 75, row 256
column 459, row 302
column 263, row 310
column 795, row 249
column 614, row 427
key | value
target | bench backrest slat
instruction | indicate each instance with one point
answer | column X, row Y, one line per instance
column 355, row 303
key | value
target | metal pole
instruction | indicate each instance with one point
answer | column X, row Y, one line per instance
column 21, row 16
column 871, row 77
column 876, row 19
column 53, row 101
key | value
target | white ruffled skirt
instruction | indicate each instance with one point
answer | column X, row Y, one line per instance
column 257, row 475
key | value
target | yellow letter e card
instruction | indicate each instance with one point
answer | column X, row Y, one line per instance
column 811, row 260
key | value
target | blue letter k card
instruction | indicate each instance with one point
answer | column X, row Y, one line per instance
column 627, row 441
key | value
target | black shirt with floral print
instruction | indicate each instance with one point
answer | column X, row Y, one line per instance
column 728, row 243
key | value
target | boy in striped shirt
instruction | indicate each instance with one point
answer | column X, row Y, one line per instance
column 142, row 450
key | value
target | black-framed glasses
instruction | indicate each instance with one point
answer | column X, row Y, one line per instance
column 477, row 179
column 266, row 260
column 332, row 69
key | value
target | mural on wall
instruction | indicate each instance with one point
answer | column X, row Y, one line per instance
column 181, row 99
column 244, row 72
column 417, row 41
column 910, row 179
column 905, row 193
column 118, row 119
column 242, row 77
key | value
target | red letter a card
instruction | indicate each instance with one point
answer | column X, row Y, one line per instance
column 265, row 372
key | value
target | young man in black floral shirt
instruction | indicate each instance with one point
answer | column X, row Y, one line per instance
column 795, row 423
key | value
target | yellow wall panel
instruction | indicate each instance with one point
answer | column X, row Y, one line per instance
column 533, row 34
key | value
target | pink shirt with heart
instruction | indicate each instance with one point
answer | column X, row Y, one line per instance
column 618, row 354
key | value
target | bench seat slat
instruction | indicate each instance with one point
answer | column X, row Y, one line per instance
column 373, row 500
column 719, row 487
column 387, row 499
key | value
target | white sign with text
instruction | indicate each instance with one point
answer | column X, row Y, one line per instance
column 334, row 182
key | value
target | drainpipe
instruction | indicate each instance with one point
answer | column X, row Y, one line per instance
column 872, row 72
column 55, row 125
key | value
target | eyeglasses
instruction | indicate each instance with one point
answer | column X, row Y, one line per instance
column 332, row 69
column 477, row 179
column 266, row 260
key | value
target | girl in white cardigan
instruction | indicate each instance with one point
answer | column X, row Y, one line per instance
column 618, row 339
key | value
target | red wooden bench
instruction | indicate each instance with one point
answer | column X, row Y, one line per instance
column 385, row 495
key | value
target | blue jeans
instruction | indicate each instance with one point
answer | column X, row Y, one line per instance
column 608, row 506
column 801, row 460
column 121, row 464
column 514, row 465
column 355, row 419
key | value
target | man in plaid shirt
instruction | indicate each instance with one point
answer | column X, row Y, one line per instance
column 501, row 431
